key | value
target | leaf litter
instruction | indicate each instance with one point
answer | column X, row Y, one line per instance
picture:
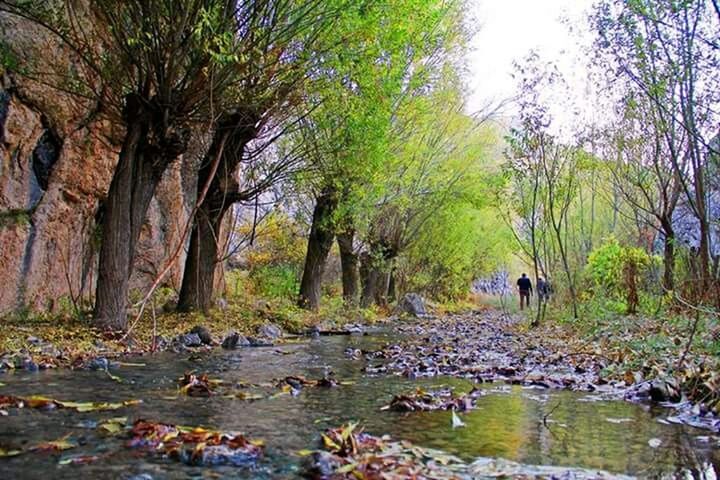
column 348, row 452
column 488, row 346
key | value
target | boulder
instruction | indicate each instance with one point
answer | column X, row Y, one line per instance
column 98, row 363
column 270, row 331
column 234, row 340
column 204, row 334
column 412, row 304
column 259, row 342
column 188, row 340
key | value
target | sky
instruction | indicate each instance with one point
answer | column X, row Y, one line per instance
column 508, row 30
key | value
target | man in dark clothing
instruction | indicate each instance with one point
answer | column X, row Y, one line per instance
column 525, row 289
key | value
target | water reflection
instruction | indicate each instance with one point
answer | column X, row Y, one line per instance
column 523, row 425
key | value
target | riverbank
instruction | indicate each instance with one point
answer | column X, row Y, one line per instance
column 46, row 341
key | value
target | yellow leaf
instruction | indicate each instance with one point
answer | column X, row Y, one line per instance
column 9, row 453
column 347, row 468
column 329, row 443
column 305, row 452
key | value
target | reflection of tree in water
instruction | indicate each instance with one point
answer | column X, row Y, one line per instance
column 580, row 433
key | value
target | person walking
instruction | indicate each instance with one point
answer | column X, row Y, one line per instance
column 543, row 290
column 525, row 289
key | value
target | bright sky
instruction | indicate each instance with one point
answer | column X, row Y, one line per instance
column 508, row 31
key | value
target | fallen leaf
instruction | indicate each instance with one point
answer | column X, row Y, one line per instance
column 456, row 422
column 8, row 452
column 55, row 445
column 79, row 460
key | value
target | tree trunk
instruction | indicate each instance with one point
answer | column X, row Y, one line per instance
column 668, row 256
column 319, row 243
column 392, row 286
column 371, row 282
column 198, row 281
column 349, row 264
column 231, row 137
column 137, row 175
column 376, row 275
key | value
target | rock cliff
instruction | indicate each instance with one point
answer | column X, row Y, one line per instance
column 56, row 163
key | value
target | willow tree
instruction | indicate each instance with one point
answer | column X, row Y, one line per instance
column 434, row 161
column 388, row 59
column 155, row 67
column 283, row 43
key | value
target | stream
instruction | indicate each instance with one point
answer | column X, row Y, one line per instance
column 531, row 426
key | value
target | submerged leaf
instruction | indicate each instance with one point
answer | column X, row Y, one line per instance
column 456, row 422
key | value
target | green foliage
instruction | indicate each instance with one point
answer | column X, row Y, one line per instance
column 9, row 61
column 608, row 264
column 275, row 281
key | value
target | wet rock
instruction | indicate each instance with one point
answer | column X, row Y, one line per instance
column 321, row 464
column 234, row 340
column 313, row 331
column 259, row 342
column 161, row 343
column 412, row 304
column 30, row 365
column 663, row 391
column 354, row 328
column 270, row 331
column 203, row 333
column 219, row 455
column 141, row 476
column 188, row 340
column 98, row 363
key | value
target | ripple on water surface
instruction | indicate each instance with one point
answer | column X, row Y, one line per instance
column 530, row 426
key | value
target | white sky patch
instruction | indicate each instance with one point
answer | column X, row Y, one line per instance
column 508, row 30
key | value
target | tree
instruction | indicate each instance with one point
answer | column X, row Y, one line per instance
column 668, row 51
column 645, row 172
column 387, row 60
column 283, row 44
column 153, row 66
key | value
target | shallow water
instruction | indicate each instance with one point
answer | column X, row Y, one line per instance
column 580, row 432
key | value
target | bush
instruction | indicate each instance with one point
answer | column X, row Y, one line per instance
column 275, row 281
column 618, row 272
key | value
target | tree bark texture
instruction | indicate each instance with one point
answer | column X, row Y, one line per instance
column 349, row 265
column 197, row 291
column 320, row 241
column 140, row 168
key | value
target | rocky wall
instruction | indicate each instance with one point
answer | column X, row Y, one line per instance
column 56, row 164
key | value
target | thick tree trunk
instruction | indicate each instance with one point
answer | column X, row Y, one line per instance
column 148, row 149
column 319, row 243
column 349, row 265
column 197, row 291
column 137, row 175
column 371, row 282
column 376, row 276
column 117, row 238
